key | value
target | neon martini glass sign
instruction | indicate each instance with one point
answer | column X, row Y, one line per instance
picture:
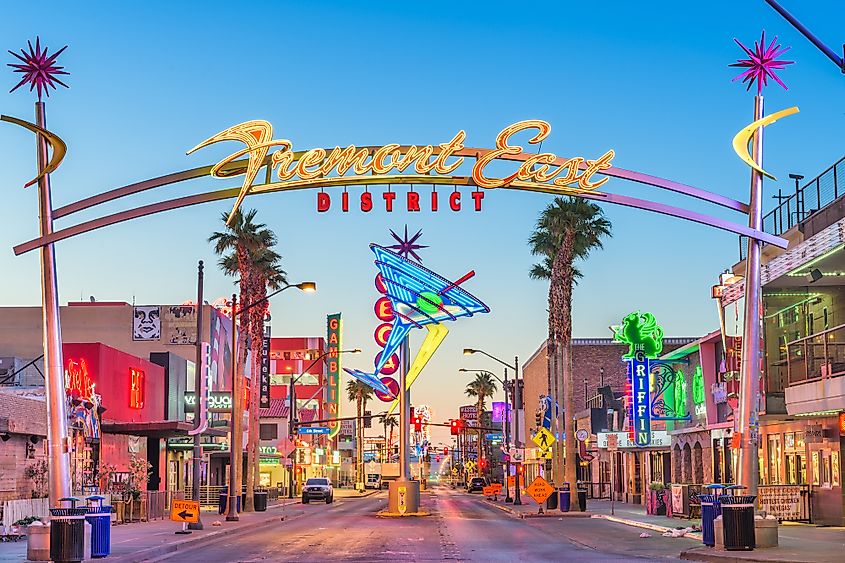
column 420, row 298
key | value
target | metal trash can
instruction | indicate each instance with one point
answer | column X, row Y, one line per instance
column 565, row 499
column 99, row 516
column 552, row 501
column 260, row 501
column 67, row 532
column 738, row 521
column 710, row 509
column 582, row 499
column 223, row 500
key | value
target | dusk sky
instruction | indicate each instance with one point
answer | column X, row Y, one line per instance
column 647, row 79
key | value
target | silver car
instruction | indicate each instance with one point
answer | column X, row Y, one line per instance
column 317, row 488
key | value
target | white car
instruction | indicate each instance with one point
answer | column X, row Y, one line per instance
column 373, row 481
column 318, row 488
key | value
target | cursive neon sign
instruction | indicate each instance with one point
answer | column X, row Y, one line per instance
column 322, row 167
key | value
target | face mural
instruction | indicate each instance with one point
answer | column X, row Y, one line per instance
column 146, row 323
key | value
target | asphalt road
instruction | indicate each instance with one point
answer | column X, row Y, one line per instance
column 461, row 528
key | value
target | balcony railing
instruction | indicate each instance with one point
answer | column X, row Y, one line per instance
column 791, row 210
column 816, row 356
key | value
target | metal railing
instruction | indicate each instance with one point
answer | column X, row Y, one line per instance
column 599, row 490
column 791, row 210
column 815, row 356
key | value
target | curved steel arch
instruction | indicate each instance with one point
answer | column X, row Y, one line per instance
column 237, row 167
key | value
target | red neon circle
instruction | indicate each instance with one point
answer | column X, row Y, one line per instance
column 382, row 333
column 390, row 366
column 380, row 287
column 391, row 384
column 383, row 309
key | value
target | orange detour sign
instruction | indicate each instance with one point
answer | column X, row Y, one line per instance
column 488, row 491
column 185, row 511
column 512, row 478
column 497, row 488
column 539, row 490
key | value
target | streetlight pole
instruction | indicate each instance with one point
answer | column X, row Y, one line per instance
column 199, row 373
column 235, row 446
column 517, row 401
column 292, row 405
column 506, row 424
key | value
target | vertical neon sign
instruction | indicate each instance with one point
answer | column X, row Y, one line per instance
column 136, row 388
column 333, row 336
column 644, row 338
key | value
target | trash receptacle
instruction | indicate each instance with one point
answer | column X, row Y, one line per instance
column 67, row 532
column 710, row 509
column 564, row 501
column 38, row 542
column 99, row 516
column 260, row 501
column 738, row 521
column 552, row 501
column 582, row 499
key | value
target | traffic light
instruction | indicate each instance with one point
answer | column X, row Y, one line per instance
column 368, row 419
column 455, row 427
column 417, row 423
column 445, row 451
column 538, row 419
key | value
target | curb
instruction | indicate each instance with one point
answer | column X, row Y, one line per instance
column 523, row 515
column 646, row 525
column 727, row 556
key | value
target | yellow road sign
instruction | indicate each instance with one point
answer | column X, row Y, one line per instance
column 544, row 454
column 185, row 511
column 403, row 502
column 543, row 438
column 539, row 490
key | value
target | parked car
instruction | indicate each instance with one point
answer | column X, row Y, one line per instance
column 317, row 488
column 373, row 481
column 477, row 484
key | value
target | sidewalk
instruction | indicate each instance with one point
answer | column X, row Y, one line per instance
column 149, row 540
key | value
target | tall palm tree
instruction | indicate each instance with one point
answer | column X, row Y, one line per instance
column 481, row 387
column 359, row 392
column 388, row 421
column 568, row 229
column 242, row 248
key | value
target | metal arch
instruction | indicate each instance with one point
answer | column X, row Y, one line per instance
column 229, row 193
column 58, row 145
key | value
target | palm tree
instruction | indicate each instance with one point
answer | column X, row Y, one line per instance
column 245, row 251
column 481, row 387
column 567, row 230
column 388, row 421
column 359, row 392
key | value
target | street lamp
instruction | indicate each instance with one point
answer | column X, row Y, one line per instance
column 292, row 403
column 235, row 446
column 504, row 383
column 517, row 400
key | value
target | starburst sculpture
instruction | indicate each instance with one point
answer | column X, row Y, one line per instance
column 761, row 63
column 39, row 68
column 407, row 246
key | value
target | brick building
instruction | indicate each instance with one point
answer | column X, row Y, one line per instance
column 23, row 433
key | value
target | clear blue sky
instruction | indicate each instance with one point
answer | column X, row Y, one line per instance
column 649, row 79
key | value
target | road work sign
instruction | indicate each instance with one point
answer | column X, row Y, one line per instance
column 543, row 438
column 539, row 490
column 185, row 511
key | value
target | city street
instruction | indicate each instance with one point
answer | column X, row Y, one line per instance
column 461, row 527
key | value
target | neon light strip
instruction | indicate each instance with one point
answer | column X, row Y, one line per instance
column 816, row 260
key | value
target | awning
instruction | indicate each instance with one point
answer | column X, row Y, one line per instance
column 157, row 429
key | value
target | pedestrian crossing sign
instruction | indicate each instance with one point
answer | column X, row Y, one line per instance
column 544, row 439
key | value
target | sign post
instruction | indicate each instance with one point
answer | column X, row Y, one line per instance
column 612, row 446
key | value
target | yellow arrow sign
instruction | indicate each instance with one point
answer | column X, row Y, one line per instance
column 185, row 511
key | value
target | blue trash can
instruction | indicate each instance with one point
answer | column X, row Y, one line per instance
column 224, row 497
column 710, row 510
column 565, row 498
column 99, row 516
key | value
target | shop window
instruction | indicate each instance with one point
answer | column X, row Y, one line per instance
column 676, row 477
column 774, row 459
column 269, row 432
column 686, row 475
column 834, row 469
column 816, row 469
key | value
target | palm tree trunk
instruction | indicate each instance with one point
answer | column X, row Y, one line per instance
column 567, row 379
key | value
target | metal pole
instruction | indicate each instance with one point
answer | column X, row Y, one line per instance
column 54, row 381
column 237, row 415
column 508, row 497
column 612, row 477
column 198, row 375
column 405, row 409
column 291, row 433
column 749, row 395
column 517, row 400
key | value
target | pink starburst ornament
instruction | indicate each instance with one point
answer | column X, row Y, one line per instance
column 761, row 63
column 39, row 69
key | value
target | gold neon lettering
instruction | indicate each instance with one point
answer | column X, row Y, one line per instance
column 537, row 172
column 420, row 156
column 447, row 150
column 314, row 157
column 503, row 148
